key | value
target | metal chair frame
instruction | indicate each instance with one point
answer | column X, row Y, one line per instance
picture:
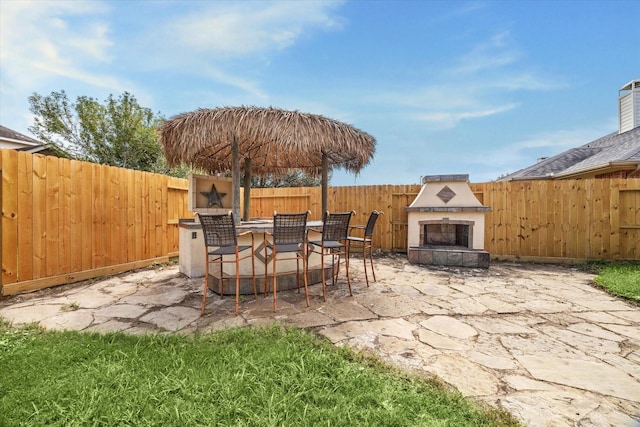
column 364, row 241
column 335, row 230
column 289, row 236
column 219, row 231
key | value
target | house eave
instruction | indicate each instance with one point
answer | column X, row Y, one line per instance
column 593, row 170
column 531, row 178
column 21, row 142
column 602, row 168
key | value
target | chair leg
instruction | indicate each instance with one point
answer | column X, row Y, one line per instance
column 275, row 282
column 206, row 285
column 237, row 282
column 266, row 267
column 221, row 279
column 324, row 286
column 373, row 270
column 298, row 272
column 253, row 273
column 304, row 272
column 346, row 264
column 334, row 270
column 364, row 258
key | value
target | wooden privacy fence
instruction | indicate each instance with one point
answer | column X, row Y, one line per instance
column 65, row 220
column 559, row 220
column 563, row 219
column 264, row 201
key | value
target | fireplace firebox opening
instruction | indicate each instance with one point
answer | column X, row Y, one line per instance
column 446, row 233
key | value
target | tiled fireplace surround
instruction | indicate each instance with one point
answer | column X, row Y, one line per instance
column 446, row 224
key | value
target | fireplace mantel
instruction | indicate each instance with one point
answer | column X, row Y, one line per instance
column 447, row 209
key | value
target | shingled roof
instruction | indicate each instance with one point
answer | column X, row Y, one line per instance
column 615, row 149
column 11, row 135
column 14, row 140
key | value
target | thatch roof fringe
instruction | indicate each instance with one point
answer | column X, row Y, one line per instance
column 275, row 140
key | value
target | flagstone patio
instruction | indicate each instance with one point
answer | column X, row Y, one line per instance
column 537, row 340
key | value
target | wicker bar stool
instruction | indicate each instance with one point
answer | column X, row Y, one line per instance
column 220, row 232
column 289, row 236
column 364, row 241
column 335, row 230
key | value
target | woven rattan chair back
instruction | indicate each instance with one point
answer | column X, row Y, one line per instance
column 218, row 229
column 371, row 223
column 336, row 226
column 289, row 228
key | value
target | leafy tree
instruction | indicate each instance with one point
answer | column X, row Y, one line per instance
column 293, row 178
column 118, row 132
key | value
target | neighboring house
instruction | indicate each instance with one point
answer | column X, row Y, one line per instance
column 16, row 141
column 616, row 155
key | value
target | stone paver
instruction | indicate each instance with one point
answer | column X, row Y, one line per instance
column 478, row 382
column 536, row 340
column 449, row 326
column 172, row 319
column 609, row 381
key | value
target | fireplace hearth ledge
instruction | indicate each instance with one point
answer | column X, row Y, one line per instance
column 448, row 256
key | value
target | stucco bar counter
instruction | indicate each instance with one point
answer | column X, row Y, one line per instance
column 192, row 259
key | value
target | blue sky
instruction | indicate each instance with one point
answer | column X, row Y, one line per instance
column 477, row 87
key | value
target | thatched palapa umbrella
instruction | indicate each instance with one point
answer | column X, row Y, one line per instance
column 267, row 140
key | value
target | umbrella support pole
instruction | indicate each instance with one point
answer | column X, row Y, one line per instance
column 235, row 174
column 325, row 182
column 247, row 189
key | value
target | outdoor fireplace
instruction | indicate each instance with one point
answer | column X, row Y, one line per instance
column 446, row 224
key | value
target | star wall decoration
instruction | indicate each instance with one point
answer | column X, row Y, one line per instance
column 213, row 197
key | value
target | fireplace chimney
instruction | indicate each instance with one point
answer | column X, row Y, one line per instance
column 629, row 106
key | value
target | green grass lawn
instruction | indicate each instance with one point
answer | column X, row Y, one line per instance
column 237, row 377
column 620, row 279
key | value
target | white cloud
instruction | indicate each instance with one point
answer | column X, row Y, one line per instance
column 51, row 45
column 54, row 45
column 497, row 52
column 448, row 119
column 468, row 7
column 525, row 152
column 480, row 84
column 244, row 28
column 527, row 81
column 80, row 46
column 32, row 30
column 95, row 43
column 246, row 85
column 66, row 70
column 222, row 41
column 460, row 10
